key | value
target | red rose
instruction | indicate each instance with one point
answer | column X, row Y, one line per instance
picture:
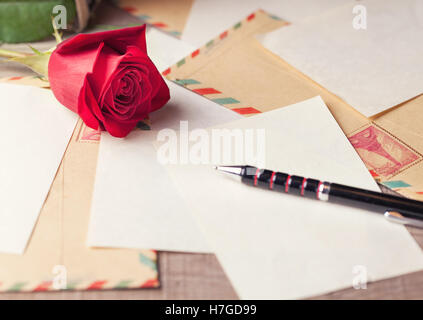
column 108, row 79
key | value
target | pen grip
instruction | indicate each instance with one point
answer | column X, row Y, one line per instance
column 282, row 182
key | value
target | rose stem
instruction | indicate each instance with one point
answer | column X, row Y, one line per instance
column 11, row 54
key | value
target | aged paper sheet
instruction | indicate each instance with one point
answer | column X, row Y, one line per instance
column 34, row 132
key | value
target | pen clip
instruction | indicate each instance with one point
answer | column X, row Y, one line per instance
column 397, row 217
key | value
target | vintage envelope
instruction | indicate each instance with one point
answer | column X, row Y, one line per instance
column 135, row 203
column 279, row 246
column 391, row 146
column 168, row 15
column 372, row 69
column 57, row 256
column 209, row 18
column 34, row 132
column 234, row 70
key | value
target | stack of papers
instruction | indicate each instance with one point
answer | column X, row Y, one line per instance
column 281, row 238
column 135, row 203
column 372, row 61
column 278, row 246
column 37, row 131
column 271, row 245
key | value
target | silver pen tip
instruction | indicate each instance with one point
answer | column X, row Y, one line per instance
column 230, row 169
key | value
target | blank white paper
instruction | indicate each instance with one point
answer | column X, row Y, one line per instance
column 372, row 69
column 135, row 203
column 208, row 18
column 278, row 246
column 34, row 132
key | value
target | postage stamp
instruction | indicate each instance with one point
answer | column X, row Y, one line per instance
column 86, row 134
column 382, row 152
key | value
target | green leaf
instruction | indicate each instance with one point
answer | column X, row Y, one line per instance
column 143, row 126
column 30, row 20
column 37, row 52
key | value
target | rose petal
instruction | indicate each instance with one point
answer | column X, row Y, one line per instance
column 104, row 68
column 160, row 91
column 118, row 85
column 87, row 103
column 65, row 79
column 161, row 98
column 133, row 36
column 118, row 129
column 162, row 94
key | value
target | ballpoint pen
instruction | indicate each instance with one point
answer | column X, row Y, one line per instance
column 395, row 209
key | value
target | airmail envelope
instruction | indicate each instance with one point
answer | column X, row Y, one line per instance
column 234, row 70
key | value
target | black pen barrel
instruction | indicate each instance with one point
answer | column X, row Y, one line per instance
column 374, row 201
column 332, row 192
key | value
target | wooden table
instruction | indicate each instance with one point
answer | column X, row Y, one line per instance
column 200, row 276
